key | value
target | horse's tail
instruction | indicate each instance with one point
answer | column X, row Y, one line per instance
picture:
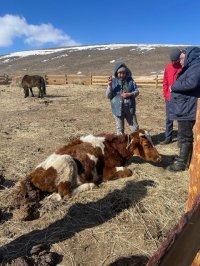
column 43, row 85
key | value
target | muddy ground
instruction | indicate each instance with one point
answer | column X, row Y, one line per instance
column 122, row 222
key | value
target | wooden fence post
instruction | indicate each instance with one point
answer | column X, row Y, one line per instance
column 6, row 78
column 194, row 173
column 90, row 78
column 45, row 78
column 156, row 81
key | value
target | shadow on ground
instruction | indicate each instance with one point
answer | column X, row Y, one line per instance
column 130, row 261
column 79, row 217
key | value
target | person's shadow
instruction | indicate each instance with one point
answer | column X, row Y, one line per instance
column 157, row 139
column 79, row 217
column 165, row 161
column 137, row 260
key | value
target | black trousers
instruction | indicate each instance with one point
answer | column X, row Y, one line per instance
column 186, row 131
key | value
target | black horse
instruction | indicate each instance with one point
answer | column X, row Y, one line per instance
column 28, row 82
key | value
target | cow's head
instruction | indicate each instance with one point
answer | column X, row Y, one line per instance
column 141, row 145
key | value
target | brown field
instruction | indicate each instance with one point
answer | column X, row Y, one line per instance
column 122, row 222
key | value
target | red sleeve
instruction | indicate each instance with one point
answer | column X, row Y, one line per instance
column 165, row 83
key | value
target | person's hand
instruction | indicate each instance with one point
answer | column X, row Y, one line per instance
column 170, row 89
column 110, row 81
column 126, row 94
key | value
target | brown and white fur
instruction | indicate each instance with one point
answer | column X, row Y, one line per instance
column 89, row 160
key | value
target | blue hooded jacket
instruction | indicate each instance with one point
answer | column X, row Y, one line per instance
column 115, row 94
column 186, row 89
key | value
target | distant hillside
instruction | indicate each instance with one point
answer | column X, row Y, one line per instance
column 143, row 59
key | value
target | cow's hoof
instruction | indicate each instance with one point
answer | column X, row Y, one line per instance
column 128, row 172
column 55, row 197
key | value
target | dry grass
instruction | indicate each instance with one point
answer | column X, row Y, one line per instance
column 122, row 221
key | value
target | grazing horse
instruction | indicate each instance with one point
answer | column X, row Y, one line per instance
column 28, row 82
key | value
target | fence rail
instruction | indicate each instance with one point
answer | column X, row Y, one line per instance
column 4, row 79
column 153, row 81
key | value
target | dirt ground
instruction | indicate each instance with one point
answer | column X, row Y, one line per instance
column 120, row 223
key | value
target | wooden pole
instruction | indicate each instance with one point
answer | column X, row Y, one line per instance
column 90, row 78
column 194, row 173
column 156, row 81
column 45, row 78
column 181, row 248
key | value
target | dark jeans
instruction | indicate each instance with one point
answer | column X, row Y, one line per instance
column 169, row 123
column 186, row 131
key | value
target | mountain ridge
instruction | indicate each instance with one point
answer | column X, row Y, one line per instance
column 142, row 59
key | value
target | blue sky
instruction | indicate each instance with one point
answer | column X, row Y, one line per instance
column 28, row 25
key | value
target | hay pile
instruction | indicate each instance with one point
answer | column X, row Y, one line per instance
column 122, row 221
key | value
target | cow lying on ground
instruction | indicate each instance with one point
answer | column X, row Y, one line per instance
column 87, row 161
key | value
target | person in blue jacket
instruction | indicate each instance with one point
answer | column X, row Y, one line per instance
column 184, row 96
column 122, row 91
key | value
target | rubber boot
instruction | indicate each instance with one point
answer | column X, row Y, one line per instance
column 182, row 162
column 189, row 157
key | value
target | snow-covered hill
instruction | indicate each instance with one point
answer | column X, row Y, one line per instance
column 98, row 59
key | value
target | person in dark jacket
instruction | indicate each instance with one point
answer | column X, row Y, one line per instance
column 170, row 74
column 122, row 91
column 184, row 96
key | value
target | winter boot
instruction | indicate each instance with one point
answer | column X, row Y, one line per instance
column 182, row 162
column 166, row 141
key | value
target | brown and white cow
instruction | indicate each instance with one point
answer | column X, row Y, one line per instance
column 88, row 160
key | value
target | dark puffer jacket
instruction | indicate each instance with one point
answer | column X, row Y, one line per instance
column 186, row 89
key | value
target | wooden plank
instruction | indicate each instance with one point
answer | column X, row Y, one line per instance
column 55, row 75
column 55, row 83
column 99, row 83
column 56, row 80
column 100, row 77
column 99, row 80
column 194, row 173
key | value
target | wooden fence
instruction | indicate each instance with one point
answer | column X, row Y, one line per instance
column 142, row 81
column 153, row 81
column 5, row 79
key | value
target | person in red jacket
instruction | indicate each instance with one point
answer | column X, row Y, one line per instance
column 170, row 74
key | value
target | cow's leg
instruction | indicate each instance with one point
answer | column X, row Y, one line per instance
column 115, row 173
column 83, row 187
column 64, row 188
column 31, row 90
column 55, row 197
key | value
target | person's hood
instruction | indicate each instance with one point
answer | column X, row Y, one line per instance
column 119, row 65
column 192, row 53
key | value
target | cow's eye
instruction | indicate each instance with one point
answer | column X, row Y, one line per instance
column 146, row 145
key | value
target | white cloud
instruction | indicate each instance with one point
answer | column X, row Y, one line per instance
column 12, row 27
